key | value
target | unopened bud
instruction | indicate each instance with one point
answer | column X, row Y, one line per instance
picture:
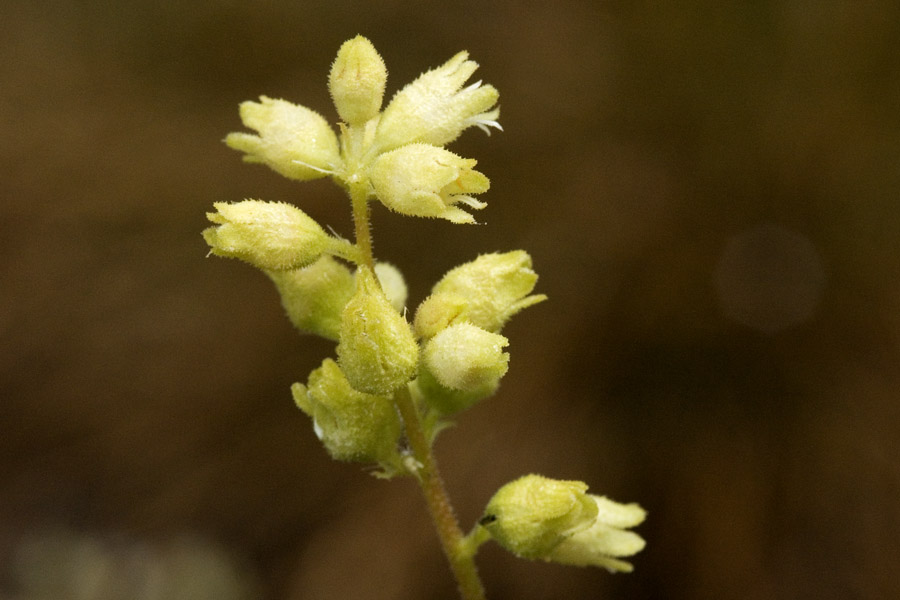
column 357, row 81
column 467, row 358
column 377, row 350
column 268, row 235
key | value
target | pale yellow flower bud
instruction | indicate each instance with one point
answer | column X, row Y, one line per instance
column 377, row 350
column 467, row 358
column 426, row 181
column 353, row 426
column 357, row 81
column 494, row 287
column 269, row 235
column 293, row 140
column 536, row 517
column 435, row 109
column 314, row 297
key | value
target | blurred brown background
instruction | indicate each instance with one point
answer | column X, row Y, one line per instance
column 710, row 194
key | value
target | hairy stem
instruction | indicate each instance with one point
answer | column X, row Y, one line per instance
column 359, row 200
column 458, row 553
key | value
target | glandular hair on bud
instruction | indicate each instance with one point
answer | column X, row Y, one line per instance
column 377, row 351
column 357, row 80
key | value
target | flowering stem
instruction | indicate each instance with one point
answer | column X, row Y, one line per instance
column 458, row 553
column 359, row 200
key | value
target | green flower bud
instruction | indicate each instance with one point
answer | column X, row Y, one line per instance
column 426, row 181
column 293, row 140
column 536, row 517
column 353, row 426
column 393, row 284
column 377, row 350
column 494, row 287
column 434, row 109
column 314, row 297
column 357, row 81
column 467, row 358
column 268, row 235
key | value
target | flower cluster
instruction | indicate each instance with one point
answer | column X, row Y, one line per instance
column 397, row 154
column 394, row 384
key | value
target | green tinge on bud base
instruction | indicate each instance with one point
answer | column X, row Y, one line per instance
column 353, row 426
column 268, row 235
column 536, row 517
column 293, row 140
column 377, row 350
column 357, row 81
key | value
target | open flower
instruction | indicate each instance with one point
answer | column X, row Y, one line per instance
column 485, row 292
column 536, row 517
column 293, row 140
column 426, row 181
column 435, row 108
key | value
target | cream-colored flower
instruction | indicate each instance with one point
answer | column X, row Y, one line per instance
column 536, row 517
column 486, row 292
column 426, row 181
column 435, row 108
column 293, row 140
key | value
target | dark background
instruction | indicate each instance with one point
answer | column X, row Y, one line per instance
column 709, row 191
